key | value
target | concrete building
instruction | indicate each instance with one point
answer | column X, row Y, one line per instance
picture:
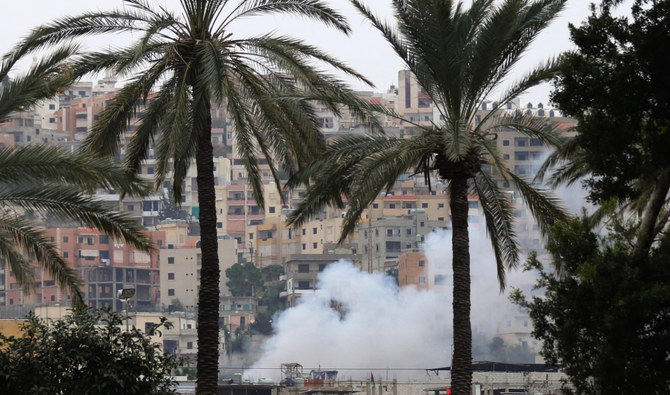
column 380, row 242
column 103, row 264
column 180, row 271
column 302, row 271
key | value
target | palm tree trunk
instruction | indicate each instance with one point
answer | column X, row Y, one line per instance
column 461, row 366
column 208, row 296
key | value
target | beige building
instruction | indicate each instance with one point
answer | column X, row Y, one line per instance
column 180, row 271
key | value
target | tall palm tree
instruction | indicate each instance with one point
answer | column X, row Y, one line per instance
column 53, row 182
column 459, row 56
column 190, row 61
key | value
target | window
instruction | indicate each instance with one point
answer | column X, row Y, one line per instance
column 131, row 207
column 189, row 345
column 52, row 120
column 536, row 142
column 314, row 230
column 322, row 266
column 170, row 259
column 303, row 284
column 104, row 255
column 219, row 225
column 304, row 246
column 392, row 205
column 506, row 156
column 422, row 280
column 518, row 213
column 150, row 170
column 375, row 205
column 440, row 205
column 424, row 205
column 170, row 276
column 304, row 232
column 171, row 292
column 521, row 155
column 303, row 268
column 272, row 209
column 65, row 239
column 315, row 245
column 104, row 239
column 473, row 204
column 521, row 141
column 440, row 219
column 440, row 279
column 506, row 143
column 65, row 254
column 52, row 106
column 409, row 231
column 422, row 224
column 148, row 328
column 422, row 262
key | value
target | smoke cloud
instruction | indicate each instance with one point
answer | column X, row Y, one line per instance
column 380, row 326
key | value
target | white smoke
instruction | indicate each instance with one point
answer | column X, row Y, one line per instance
column 403, row 330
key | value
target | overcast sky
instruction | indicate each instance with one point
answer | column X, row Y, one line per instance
column 364, row 50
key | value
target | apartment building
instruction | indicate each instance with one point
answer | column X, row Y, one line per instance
column 104, row 266
column 302, row 271
column 180, row 271
column 415, row 270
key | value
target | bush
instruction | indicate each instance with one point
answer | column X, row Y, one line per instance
column 87, row 352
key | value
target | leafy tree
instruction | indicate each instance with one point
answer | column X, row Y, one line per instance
column 272, row 272
column 171, row 209
column 606, row 319
column 244, row 279
column 176, row 305
column 190, row 61
column 459, row 56
column 615, row 84
column 87, row 352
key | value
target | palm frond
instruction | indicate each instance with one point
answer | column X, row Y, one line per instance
column 35, row 244
column 499, row 224
column 36, row 164
column 65, row 202
column 545, row 207
column 43, row 80
column 313, row 9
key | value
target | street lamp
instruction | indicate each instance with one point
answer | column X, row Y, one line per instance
column 124, row 294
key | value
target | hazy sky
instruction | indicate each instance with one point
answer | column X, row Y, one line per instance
column 364, row 50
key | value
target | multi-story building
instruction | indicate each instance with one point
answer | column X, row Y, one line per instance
column 414, row 270
column 180, row 271
column 301, row 273
column 380, row 242
column 104, row 266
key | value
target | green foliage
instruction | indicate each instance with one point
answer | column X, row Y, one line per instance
column 606, row 318
column 87, row 352
column 244, row 279
column 500, row 352
column 615, row 85
column 171, row 210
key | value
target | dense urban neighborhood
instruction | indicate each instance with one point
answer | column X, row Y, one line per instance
column 198, row 213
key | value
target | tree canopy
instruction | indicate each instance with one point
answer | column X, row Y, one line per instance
column 87, row 352
column 615, row 85
column 244, row 279
column 606, row 319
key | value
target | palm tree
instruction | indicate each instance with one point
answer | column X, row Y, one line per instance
column 459, row 56
column 188, row 62
column 53, row 182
